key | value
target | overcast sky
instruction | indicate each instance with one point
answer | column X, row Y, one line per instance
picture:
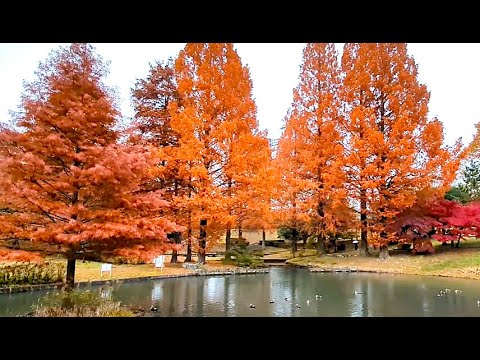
column 450, row 71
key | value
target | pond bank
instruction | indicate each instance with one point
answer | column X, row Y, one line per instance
column 457, row 263
column 79, row 284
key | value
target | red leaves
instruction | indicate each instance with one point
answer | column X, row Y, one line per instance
column 440, row 219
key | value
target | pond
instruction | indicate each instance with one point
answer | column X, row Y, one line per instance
column 287, row 292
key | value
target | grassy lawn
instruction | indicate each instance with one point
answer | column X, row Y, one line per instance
column 90, row 270
column 463, row 262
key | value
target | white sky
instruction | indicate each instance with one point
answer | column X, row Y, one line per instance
column 450, row 71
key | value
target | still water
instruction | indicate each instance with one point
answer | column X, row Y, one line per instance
column 339, row 294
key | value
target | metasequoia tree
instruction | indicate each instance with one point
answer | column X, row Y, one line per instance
column 392, row 149
column 251, row 180
column 261, row 180
column 315, row 143
column 151, row 125
column 216, row 124
column 66, row 180
column 290, row 186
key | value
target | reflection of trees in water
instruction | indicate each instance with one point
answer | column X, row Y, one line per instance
column 171, row 308
column 199, row 298
column 156, row 291
column 186, row 297
column 106, row 292
column 381, row 295
column 228, row 299
column 281, row 288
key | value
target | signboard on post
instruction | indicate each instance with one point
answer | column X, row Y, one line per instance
column 159, row 262
column 107, row 268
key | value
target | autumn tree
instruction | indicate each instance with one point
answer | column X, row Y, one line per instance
column 250, row 183
column 217, row 126
column 439, row 219
column 290, row 186
column 314, row 141
column 66, row 179
column 261, row 180
column 392, row 148
column 151, row 125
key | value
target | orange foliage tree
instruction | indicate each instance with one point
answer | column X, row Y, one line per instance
column 392, row 149
column 65, row 178
column 151, row 126
column 254, row 206
column 311, row 146
column 289, row 191
column 217, row 127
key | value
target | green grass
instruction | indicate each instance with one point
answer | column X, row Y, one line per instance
column 460, row 262
column 468, row 243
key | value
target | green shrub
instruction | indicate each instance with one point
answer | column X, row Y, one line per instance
column 81, row 304
column 243, row 258
column 31, row 274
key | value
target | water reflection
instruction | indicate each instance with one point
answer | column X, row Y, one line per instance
column 156, row 291
column 106, row 292
column 295, row 292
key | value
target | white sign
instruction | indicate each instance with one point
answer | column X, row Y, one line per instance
column 106, row 267
column 159, row 261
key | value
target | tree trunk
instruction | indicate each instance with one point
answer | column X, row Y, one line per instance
column 178, row 240
column 264, row 238
column 228, row 237
column 294, row 245
column 383, row 254
column 70, row 280
column 304, row 241
column 452, row 243
column 321, row 249
column 188, row 258
column 240, row 232
column 457, row 244
column 363, row 224
column 294, row 241
column 202, row 242
column 177, row 235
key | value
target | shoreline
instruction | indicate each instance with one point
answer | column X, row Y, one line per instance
column 80, row 284
column 457, row 273
column 420, row 265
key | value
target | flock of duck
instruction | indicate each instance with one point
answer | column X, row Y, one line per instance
column 298, row 306
column 456, row 291
column 319, row 297
column 446, row 291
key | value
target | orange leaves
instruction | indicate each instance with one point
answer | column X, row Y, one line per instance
column 310, row 150
column 19, row 255
column 219, row 145
column 68, row 181
column 394, row 150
